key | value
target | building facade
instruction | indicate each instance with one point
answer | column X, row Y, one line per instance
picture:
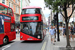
column 25, row 3
column 51, row 18
column 15, row 5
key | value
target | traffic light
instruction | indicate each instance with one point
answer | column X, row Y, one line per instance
column 55, row 17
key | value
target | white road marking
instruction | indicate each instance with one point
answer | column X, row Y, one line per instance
column 5, row 47
column 43, row 47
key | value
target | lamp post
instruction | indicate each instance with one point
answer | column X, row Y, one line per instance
column 58, row 39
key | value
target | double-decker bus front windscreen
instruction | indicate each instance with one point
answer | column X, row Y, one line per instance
column 31, row 11
column 31, row 28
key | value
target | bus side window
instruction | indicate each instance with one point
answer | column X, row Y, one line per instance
column 3, row 10
column 12, row 27
column 10, row 13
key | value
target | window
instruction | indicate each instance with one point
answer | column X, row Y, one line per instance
column 16, row 1
column 3, row 10
column 12, row 27
column 9, row 4
column 11, row 0
column 31, row 28
column 16, row 9
column 10, row 12
column 17, row 17
column 3, row 1
column 31, row 11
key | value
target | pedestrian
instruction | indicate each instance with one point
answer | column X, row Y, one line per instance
column 72, row 33
column 64, row 31
column 69, row 33
column 55, row 34
column 52, row 32
column 19, row 30
column 16, row 30
column 74, row 29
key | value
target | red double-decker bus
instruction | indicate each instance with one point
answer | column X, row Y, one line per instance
column 31, row 22
column 7, row 24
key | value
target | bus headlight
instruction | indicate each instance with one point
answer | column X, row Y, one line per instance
column 38, row 36
column 21, row 36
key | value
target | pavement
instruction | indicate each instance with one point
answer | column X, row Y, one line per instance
column 17, row 37
column 61, row 44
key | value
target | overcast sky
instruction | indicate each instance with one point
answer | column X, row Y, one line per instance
column 41, row 4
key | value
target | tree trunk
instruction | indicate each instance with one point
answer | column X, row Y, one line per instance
column 66, row 21
column 67, row 35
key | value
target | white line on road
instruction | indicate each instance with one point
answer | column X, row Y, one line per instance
column 7, row 46
column 43, row 47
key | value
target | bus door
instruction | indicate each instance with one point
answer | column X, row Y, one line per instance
column 1, row 24
column 1, row 28
column 13, row 30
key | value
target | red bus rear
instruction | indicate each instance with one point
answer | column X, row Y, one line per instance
column 31, row 23
column 7, row 24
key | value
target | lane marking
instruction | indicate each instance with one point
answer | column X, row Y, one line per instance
column 44, row 45
column 5, row 47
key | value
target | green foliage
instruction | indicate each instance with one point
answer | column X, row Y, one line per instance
column 56, row 3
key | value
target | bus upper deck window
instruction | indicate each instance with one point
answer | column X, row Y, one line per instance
column 3, row 10
column 10, row 12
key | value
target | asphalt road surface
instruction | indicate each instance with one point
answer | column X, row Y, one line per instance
column 25, row 45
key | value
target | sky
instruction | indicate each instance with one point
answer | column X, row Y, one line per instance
column 41, row 4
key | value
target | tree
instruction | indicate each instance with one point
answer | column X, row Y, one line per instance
column 64, row 5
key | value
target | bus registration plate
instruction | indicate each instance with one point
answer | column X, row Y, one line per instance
column 29, row 38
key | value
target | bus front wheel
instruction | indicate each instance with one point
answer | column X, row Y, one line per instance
column 5, row 40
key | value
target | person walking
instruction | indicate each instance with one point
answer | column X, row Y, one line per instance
column 69, row 33
column 74, row 28
column 52, row 32
column 72, row 32
column 64, row 31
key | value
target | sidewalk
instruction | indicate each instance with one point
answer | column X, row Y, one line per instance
column 57, row 45
column 17, row 37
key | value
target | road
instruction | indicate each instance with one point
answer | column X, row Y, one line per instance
column 25, row 45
